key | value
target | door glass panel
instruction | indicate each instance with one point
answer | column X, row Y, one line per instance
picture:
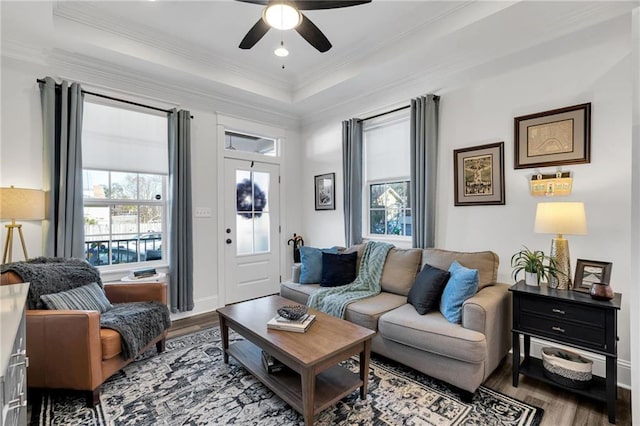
column 244, row 237
column 252, row 217
column 261, row 233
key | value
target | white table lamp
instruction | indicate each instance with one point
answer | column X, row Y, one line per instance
column 23, row 204
column 561, row 219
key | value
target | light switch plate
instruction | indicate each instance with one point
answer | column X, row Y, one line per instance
column 203, row 212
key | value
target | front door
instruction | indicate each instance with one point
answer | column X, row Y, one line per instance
column 251, row 234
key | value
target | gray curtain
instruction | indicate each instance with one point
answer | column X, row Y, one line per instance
column 63, row 228
column 424, row 154
column 352, row 175
column 180, row 220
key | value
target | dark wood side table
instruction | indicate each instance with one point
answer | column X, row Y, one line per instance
column 569, row 318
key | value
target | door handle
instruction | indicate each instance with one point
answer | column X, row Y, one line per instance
column 228, row 240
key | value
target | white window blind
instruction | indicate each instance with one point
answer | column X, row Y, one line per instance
column 387, row 150
column 120, row 139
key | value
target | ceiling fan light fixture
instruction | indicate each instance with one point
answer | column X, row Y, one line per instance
column 281, row 51
column 282, row 16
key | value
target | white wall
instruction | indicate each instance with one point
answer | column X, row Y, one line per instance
column 482, row 111
column 21, row 157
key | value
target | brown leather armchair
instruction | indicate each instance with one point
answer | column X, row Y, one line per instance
column 69, row 350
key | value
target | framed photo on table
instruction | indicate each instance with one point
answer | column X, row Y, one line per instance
column 553, row 138
column 325, row 191
column 589, row 272
column 478, row 174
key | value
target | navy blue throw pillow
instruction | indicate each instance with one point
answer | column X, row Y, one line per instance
column 427, row 289
column 338, row 269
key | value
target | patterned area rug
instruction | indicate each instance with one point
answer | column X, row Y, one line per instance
column 189, row 384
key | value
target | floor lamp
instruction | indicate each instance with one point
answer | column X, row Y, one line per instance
column 561, row 219
column 22, row 204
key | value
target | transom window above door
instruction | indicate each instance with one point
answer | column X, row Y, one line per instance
column 246, row 143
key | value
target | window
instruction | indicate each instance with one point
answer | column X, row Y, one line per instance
column 246, row 143
column 389, row 209
column 386, row 177
column 125, row 169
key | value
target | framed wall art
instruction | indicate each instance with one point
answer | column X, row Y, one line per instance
column 478, row 174
column 325, row 191
column 553, row 138
column 589, row 272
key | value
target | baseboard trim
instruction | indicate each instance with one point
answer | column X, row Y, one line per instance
column 599, row 364
column 201, row 306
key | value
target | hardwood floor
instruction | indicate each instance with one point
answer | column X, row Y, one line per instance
column 560, row 407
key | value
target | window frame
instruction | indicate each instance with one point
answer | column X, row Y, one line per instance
column 390, row 119
column 111, row 202
column 107, row 270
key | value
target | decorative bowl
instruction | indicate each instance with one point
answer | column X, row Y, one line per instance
column 292, row 312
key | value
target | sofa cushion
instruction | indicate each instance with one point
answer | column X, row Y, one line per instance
column 359, row 250
column 111, row 343
column 88, row 297
column 311, row 259
column 400, row 270
column 365, row 312
column 462, row 284
column 338, row 269
column 426, row 290
column 486, row 262
column 432, row 333
column 297, row 292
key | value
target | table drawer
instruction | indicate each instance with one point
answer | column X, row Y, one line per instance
column 569, row 332
column 563, row 311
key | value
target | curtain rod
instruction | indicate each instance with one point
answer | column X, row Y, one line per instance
column 86, row 92
column 436, row 97
column 387, row 112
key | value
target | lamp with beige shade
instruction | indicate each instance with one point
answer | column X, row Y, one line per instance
column 566, row 218
column 21, row 204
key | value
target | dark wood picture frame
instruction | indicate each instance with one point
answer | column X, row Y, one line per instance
column 553, row 138
column 325, row 191
column 590, row 272
column 478, row 175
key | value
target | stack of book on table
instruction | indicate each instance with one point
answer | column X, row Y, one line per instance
column 299, row 326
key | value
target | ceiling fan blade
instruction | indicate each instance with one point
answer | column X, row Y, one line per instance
column 254, row 35
column 313, row 35
column 326, row 4
column 261, row 2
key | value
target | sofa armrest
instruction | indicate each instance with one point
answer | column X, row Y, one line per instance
column 489, row 313
column 64, row 349
column 136, row 292
column 295, row 272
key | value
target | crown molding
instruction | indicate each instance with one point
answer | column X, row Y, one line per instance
column 119, row 79
column 355, row 57
column 91, row 16
column 22, row 51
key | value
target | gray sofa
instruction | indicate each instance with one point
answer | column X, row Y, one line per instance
column 463, row 355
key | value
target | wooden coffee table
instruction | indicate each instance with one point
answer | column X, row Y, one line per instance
column 316, row 382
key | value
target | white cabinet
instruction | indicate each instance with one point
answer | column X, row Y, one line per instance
column 13, row 357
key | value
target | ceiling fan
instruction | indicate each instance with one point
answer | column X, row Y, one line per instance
column 285, row 15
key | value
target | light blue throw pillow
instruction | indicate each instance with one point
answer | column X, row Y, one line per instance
column 462, row 284
column 311, row 259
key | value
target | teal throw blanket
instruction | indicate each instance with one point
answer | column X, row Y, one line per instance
column 334, row 300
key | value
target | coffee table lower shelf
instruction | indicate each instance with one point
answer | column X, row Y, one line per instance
column 332, row 384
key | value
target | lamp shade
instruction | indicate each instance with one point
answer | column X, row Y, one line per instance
column 21, row 203
column 561, row 218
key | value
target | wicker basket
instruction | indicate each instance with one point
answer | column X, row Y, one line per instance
column 567, row 368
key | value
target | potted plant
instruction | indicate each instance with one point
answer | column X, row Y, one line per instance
column 532, row 262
